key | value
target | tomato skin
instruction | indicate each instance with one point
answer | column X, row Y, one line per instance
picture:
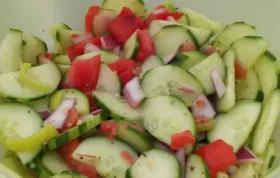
column 218, row 156
column 131, row 16
column 147, row 46
column 186, row 47
column 162, row 16
column 87, row 170
column 179, row 140
column 109, row 128
column 66, row 151
column 127, row 157
column 92, row 104
column 92, row 12
column 126, row 69
column 83, row 74
column 240, row 72
column 71, row 120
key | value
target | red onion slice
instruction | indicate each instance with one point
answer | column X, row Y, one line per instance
column 170, row 19
column 180, row 155
column 133, row 92
column 203, row 108
column 109, row 42
column 245, row 155
column 117, row 50
column 95, row 112
column 45, row 114
column 79, row 38
column 160, row 145
column 169, row 58
column 60, row 114
column 90, row 48
column 218, row 83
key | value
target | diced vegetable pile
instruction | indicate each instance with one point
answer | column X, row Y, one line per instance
column 165, row 94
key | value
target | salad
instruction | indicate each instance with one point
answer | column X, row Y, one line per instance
column 165, row 94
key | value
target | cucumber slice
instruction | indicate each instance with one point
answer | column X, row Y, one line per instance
column 235, row 126
column 222, row 175
column 53, row 30
column 131, row 46
column 166, row 115
column 150, row 63
column 10, row 51
column 40, row 170
column 266, row 122
column 225, row 103
column 24, row 122
column 63, row 68
column 245, row 170
column 137, row 6
column 249, row 88
column 116, row 106
column 268, row 73
column 7, row 173
column 202, row 36
column 31, row 48
column 184, row 20
column 39, row 105
column 12, row 89
column 69, row 174
column 82, row 102
column 196, row 167
column 64, row 37
column 155, row 163
column 108, row 81
column 109, row 161
column 269, row 157
column 54, row 162
column 202, row 71
column 248, row 49
column 201, row 21
column 273, row 174
column 75, row 132
column 175, row 35
column 233, row 32
column 187, row 60
column 107, row 57
column 61, row 59
column 135, row 136
column 168, row 80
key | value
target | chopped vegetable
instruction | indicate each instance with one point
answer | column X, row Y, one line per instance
column 240, row 72
column 245, row 155
column 179, row 140
column 133, row 92
column 202, row 108
column 109, row 128
column 206, row 125
column 79, row 38
column 92, row 12
column 71, row 119
column 218, row 83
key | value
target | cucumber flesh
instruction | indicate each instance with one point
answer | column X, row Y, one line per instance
column 187, row 60
column 235, row 126
column 109, row 161
column 7, row 173
column 245, row 170
column 150, row 63
column 39, row 105
column 131, row 46
column 266, row 122
column 269, row 157
column 107, row 57
column 63, row 68
column 168, row 80
column 273, row 174
column 31, row 48
column 54, row 163
column 164, row 116
column 62, row 59
column 10, row 51
column 69, row 174
column 196, row 167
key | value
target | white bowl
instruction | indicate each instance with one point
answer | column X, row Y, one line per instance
column 35, row 16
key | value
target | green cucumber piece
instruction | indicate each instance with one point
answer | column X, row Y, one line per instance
column 31, row 48
column 235, row 126
column 233, row 32
column 69, row 174
column 116, row 106
column 168, row 80
column 107, row 57
column 64, row 37
column 150, row 63
column 202, row 71
column 63, row 68
column 156, row 163
column 40, row 170
column 61, row 59
column 184, row 20
column 53, row 30
column 54, row 163
column 108, row 81
column 268, row 73
column 201, row 21
column 269, row 157
column 7, row 173
column 196, row 167
column 131, row 46
column 227, row 101
column 249, row 88
column 109, row 160
column 10, row 51
column 11, row 89
column 248, row 49
column 134, row 135
column 245, row 170
column 82, row 102
column 266, row 122
column 187, row 60
column 74, row 132
column 39, row 105
column 166, row 115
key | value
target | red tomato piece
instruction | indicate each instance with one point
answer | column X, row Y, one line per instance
column 127, row 157
column 147, row 46
column 72, row 53
column 92, row 12
column 109, row 129
column 83, row 74
column 132, row 17
column 179, row 140
column 87, row 170
column 161, row 6
column 101, row 20
column 66, row 151
column 175, row 15
column 240, row 71
column 126, row 69
column 218, row 156
column 71, row 120
column 92, row 104
column 186, row 47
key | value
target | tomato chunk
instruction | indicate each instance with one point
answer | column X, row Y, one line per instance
column 71, row 120
column 179, row 140
column 66, row 151
column 186, row 47
column 127, row 157
column 92, row 12
column 147, row 46
column 87, row 170
column 109, row 128
column 240, row 72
